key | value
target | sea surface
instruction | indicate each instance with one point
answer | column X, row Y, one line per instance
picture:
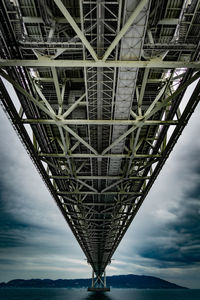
column 82, row 294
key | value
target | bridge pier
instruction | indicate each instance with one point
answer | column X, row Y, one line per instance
column 99, row 285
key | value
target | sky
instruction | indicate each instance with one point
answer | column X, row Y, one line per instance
column 163, row 239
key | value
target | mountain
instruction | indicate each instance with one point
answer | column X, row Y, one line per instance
column 120, row 281
column 141, row 282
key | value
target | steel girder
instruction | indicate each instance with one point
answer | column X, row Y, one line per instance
column 76, row 103
column 46, row 62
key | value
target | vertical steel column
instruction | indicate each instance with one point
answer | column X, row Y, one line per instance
column 92, row 278
column 104, row 282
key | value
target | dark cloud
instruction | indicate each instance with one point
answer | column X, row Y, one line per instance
column 14, row 231
column 10, row 229
column 178, row 241
column 6, row 262
column 164, row 236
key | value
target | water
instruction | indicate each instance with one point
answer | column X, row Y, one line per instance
column 82, row 294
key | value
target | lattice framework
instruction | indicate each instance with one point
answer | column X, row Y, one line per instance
column 100, row 83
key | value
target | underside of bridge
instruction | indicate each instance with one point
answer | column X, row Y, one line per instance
column 99, row 107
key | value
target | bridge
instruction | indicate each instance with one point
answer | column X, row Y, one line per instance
column 99, row 103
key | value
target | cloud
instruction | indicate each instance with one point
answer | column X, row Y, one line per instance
column 32, row 228
column 164, row 237
column 162, row 241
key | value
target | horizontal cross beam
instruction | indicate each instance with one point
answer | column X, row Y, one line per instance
column 90, row 155
column 114, row 203
column 47, row 62
column 98, row 122
column 99, row 177
column 98, row 193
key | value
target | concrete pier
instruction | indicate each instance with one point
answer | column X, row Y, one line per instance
column 99, row 283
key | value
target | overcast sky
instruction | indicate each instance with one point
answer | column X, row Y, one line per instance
column 163, row 240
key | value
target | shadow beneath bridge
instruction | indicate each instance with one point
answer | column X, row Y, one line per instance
column 98, row 296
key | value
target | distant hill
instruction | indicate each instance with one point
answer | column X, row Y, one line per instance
column 120, row 281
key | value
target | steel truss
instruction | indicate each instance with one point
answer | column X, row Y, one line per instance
column 99, row 89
